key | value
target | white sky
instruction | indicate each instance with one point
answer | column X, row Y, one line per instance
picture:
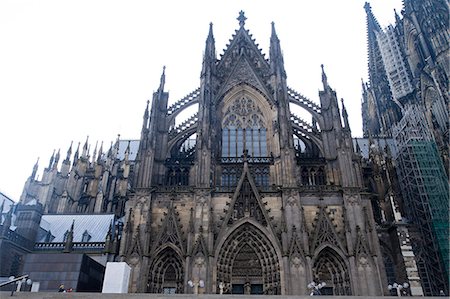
column 69, row 69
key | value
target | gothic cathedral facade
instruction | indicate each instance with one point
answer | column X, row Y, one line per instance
column 244, row 196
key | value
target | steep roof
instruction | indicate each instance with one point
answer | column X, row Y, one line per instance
column 380, row 143
column 243, row 59
column 97, row 226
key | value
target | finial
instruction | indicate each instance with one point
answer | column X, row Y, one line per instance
column 35, row 168
column 84, row 153
column 162, row 80
column 241, row 18
column 345, row 115
column 210, row 29
column 55, row 163
column 100, row 153
column 76, row 155
column 363, row 85
column 274, row 33
column 52, row 158
column 69, row 152
column 94, row 155
column 127, row 151
column 324, row 77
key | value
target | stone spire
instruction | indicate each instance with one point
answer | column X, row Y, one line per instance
column 209, row 57
column 100, row 153
column 58, row 154
column 68, row 245
column 52, row 158
column 276, row 56
column 85, row 148
column 35, row 168
column 145, row 118
column 162, row 80
column 324, row 78
column 69, row 153
column 345, row 116
column 76, row 155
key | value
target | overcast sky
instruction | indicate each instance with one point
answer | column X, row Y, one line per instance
column 72, row 69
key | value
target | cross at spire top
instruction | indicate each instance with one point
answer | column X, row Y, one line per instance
column 241, row 18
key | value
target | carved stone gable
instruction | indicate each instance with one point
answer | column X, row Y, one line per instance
column 246, row 202
column 361, row 247
column 325, row 231
column 200, row 247
column 135, row 249
column 246, row 205
column 295, row 247
column 242, row 45
column 243, row 73
column 170, row 231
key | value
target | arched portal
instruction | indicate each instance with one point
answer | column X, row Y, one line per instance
column 329, row 267
column 248, row 263
column 166, row 273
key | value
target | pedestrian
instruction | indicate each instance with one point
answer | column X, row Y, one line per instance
column 61, row 289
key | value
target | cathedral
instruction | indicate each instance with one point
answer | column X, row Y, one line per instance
column 263, row 201
column 244, row 196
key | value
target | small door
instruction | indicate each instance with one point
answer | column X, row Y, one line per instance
column 257, row 289
column 326, row 290
column 237, row 289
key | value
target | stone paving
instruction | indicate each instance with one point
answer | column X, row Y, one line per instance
column 28, row 295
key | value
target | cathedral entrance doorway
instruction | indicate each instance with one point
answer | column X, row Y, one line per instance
column 247, row 275
column 166, row 274
column 248, row 262
column 329, row 267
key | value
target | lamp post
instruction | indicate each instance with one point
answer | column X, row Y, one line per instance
column 196, row 285
column 315, row 288
column 398, row 287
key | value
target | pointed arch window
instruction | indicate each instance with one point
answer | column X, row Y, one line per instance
column 235, row 140
column 243, row 128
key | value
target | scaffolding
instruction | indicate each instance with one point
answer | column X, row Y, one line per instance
column 394, row 63
column 426, row 197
